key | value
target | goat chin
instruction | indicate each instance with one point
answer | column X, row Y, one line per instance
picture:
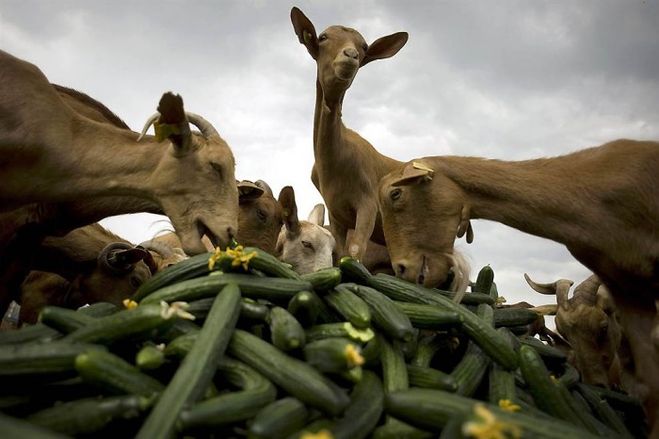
column 461, row 271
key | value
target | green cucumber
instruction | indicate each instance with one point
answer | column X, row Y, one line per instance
column 269, row 264
column 306, row 307
column 543, row 349
column 41, row 358
column 502, row 385
column 333, row 355
column 484, row 280
column 429, row 378
column 384, row 312
column 514, row 316
column 363, row 412
column 324, row 279
column 353, row 270
column 546, row 393
column 433, row 409
column 190, row 268
column 471, row 369
column 28, row 334
column 428, row 316
column 127, row 323
column 89, row 415
column 341, row 329
column 286, row 332
column 63, row 319
column 279, row 419
column 197, row 369
column 394, row 369
column 112, row 373
column 149, row 357
column 483, row 334
column 350, row 306
column 255, row 393
column 427, row 347
column 14, row 428
column 469, row 372
column 570, row 377
column 603, row 410
column 208, row 286
column 294, row 376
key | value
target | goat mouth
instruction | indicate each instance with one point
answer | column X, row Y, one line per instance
column 422, row 271
column 204, row 230
column 345, row 71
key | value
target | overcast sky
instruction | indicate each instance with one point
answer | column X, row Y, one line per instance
column 507, row 79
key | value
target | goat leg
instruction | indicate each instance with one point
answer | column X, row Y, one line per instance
column 365, row 222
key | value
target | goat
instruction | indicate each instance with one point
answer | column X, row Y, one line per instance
column 602, row 203
column 347, row 168
column 88, row 265
column 259, row 219
column 53, row 154
column 306, row 245
column 588, row 323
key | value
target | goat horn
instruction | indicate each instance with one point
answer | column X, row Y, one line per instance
column 207, row 130
column 150, row 121
column 545, row 310
column 108, row 258
column 548, row 288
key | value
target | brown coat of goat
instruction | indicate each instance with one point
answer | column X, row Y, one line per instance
column 53, row 154
column 347, row 167
column 98, row 266
column 589, row 324
column 602, row 203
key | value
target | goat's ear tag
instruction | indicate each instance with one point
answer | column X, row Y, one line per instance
column 414, row 173
column 164, row 130
column 306, row 36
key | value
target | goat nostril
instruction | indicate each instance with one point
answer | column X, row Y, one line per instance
column 400, row 269
column 350, row 52
column 231, row 232
column 420, row 279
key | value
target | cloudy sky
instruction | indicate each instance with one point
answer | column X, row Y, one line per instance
column 507, row 79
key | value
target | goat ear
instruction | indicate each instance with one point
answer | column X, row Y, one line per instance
column 289, row 210
column 265, row 186
column 305, row 31
column 248, row 191
column 414, row 173
column 604, row 301
column 317, row 215
column 173, row 123
column 545, row 310
column 385, row 47
column 465, row 225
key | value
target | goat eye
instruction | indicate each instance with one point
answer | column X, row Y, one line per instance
column 307, row 244
column 217, row 168
column 395, row 194
column 322, row 37
column 365, row 47
column 261, row 214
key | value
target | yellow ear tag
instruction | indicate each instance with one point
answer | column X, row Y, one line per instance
column 164, row 130
column 422, row 167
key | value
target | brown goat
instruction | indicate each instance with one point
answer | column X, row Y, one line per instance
column 97, row 265
column 602, row 203
column 259, row 219
column 347, row 167
column 53, row 154
column 589, row 324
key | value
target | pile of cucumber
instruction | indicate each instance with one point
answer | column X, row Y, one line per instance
column 252, row 349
